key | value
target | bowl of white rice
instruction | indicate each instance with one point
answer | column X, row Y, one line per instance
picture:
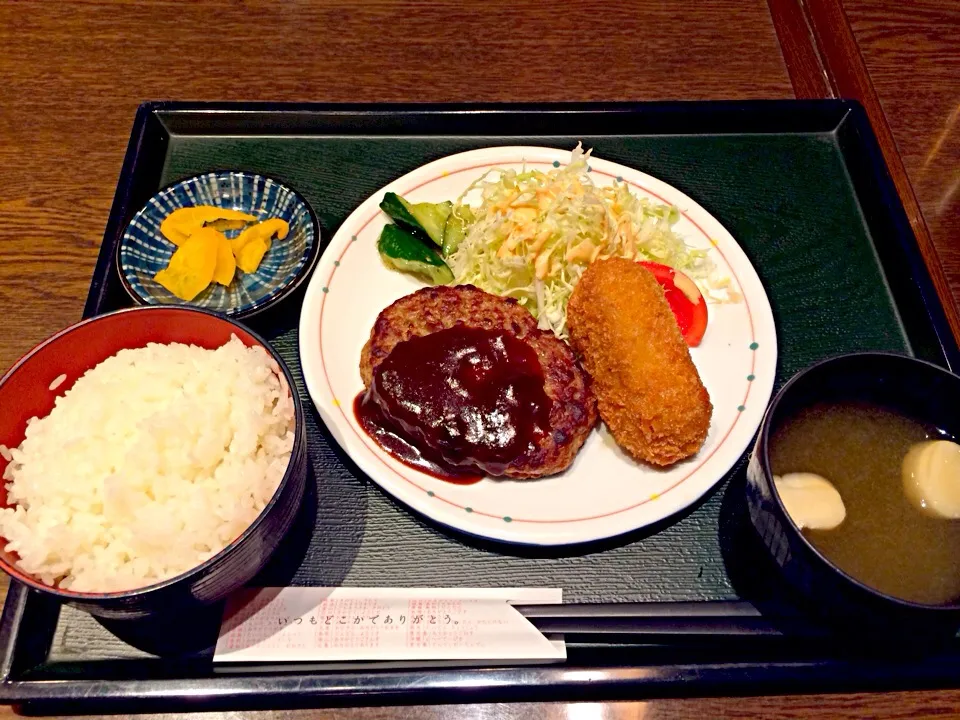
column 152, row 459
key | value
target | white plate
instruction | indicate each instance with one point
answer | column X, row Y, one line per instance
column 604, row 493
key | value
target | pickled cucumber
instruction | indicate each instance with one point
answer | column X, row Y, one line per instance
column 424, row 220
column 405, row 252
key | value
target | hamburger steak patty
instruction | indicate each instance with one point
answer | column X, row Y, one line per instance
column 573, row 411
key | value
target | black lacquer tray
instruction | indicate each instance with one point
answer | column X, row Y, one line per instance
column 689, row 607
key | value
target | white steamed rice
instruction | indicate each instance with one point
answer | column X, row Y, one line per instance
column 154, row 461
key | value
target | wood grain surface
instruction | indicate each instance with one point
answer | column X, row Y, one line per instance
column 912, row 53
column 800, row 51
column 849, row 77
column 72, row 75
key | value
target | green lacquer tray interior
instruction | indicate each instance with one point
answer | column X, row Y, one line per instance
column 800, row 185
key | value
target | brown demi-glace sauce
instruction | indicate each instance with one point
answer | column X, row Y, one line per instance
column 459, row 403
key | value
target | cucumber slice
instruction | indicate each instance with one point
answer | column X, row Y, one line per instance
column 422, row 219
column 405, row 252
column 455, row 230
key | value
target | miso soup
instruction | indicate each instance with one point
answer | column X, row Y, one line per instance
column 885, row 541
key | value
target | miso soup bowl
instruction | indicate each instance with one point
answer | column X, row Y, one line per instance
column 30, row 389
column 912, row 387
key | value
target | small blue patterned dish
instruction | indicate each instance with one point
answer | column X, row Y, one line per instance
column 143, row 251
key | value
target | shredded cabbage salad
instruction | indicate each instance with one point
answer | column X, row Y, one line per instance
column 532, row 234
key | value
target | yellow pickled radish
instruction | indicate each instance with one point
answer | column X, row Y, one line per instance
column 252, row 253
column 222, row 224
column 183, row 222
column 173, row 232
column 226, row 266
column 275, row 228
column 265, row 230
column 191, row 268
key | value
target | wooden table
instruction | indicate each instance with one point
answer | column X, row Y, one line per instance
column 72, row 75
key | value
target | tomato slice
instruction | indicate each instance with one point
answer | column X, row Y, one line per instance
column 685, row 300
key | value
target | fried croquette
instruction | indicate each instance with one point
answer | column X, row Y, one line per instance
column 648, row 391
column 573, row 409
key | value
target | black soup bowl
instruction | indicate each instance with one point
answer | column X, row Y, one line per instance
column 905, row 385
